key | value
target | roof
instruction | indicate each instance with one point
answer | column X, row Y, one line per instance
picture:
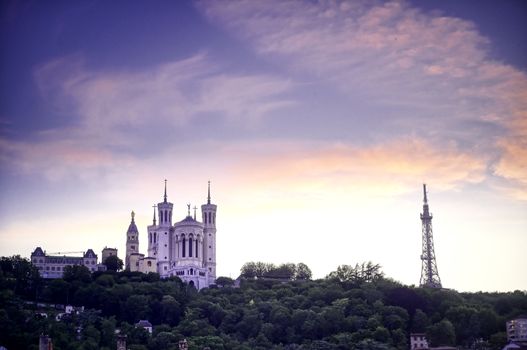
column 143, row 323
column 38, row 252
column 189, row 220
column 520, row 317
column 90, row 254
column 132, row 228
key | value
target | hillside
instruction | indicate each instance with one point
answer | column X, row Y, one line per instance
column 343, row 311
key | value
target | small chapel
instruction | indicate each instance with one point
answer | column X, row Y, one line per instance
column 186, row 249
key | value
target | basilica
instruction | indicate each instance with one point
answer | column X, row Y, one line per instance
column 186, row 249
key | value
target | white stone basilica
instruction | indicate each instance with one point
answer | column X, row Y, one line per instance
column 186, row 249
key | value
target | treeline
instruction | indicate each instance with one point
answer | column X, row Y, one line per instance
column 287, row 271
column 354, row 307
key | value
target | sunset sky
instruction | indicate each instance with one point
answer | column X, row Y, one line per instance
column 317, row 122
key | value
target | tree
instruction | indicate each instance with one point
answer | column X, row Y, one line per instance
column 442, row 333
column 224, row 282
column 303, row 272
column 365, row 272
column 76, row 273
column 113, row 263
column 420, row 322
column 248, row 270
column 26, row 275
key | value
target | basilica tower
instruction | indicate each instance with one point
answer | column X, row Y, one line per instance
column 132, row 241
column 209, row 234
column 161, row 234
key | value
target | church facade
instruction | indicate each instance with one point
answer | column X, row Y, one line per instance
column 186, row 249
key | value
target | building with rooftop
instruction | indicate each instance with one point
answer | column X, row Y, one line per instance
column 52, row 265
column 186, row 249
column 517, row 330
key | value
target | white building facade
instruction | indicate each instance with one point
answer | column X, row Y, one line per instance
column 517, row 329
column 186, row 249
column 418, row 341
column 52, row 266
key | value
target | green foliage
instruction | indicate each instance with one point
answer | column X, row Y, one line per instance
column 441, row 333
column 288, row 271
column 224, row 282
column 77, row 273
column 113, row 263
column 354, row 308
column 363, row 273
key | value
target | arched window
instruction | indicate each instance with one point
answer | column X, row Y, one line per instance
column 155, row 236
column 150, row 240
column 197, row 249
column 183, row 248
column 190, row 247
column 170, row 216
column 166, row 215
column 214, row 218
column 160, row 216
column 210, row 220
column 205, row 218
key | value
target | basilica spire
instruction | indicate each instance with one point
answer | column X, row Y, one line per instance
column 208, row 195
column 165, row 198
column 154, row 206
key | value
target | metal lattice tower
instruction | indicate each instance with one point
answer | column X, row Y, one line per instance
column 429, row 275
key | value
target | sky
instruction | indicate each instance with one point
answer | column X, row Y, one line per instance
column 317, row 122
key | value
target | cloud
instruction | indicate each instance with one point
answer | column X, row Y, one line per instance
column 111, row 105
column 56, row 159
column 115, row 117
column 386, row 169
column 434, row 69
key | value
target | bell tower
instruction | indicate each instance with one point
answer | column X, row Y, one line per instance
column 162, row 234
column 132, row 241
column 164, row 210
column 208, row 212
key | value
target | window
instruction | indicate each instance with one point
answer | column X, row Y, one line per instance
column 165, row 268
column 170, row 216
column 155, row 236
column 132, row 247
column 52, row 268
column 150, row 239
column 210, row 218
column 196, row 248
column 210, row 246
column 214, row 218
column 190, row 247
column 165, row 233
column 160, row 216
column 183, row 248
column 165, row 245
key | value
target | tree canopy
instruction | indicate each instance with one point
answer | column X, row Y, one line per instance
column 353, row 308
